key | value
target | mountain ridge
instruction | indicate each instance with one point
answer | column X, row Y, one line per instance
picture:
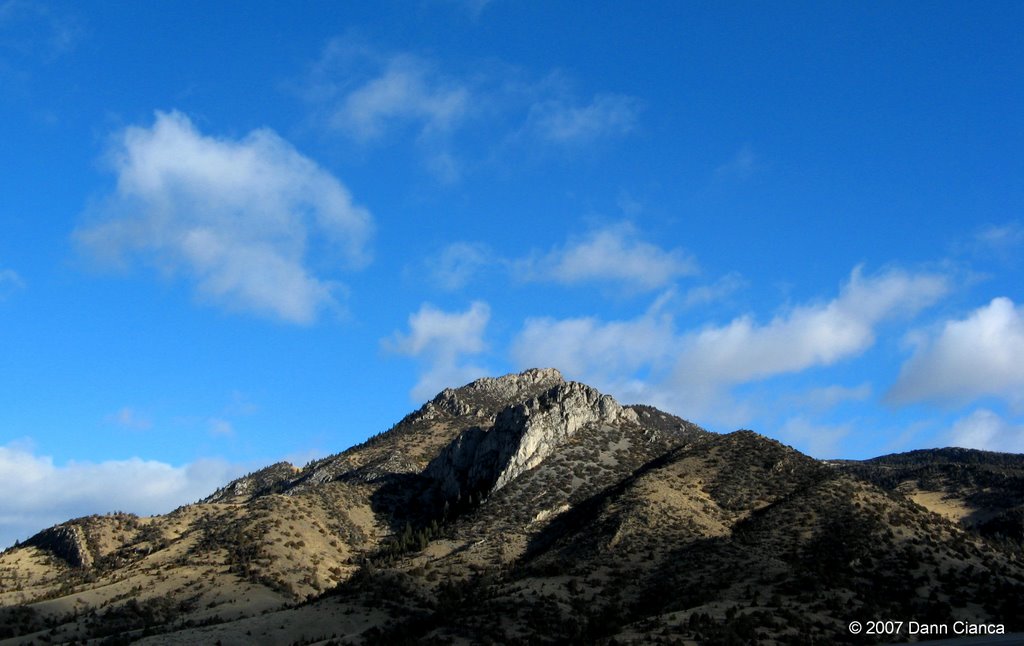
column 529, row 508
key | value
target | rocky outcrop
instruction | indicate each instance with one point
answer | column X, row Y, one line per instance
column 484, row 397
column 270, row 479
column 66, row 542
column 482, row 460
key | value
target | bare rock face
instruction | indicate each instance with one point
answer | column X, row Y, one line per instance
column 487, row 395
column 66, row 542
column 482, row 460
column 264, row 481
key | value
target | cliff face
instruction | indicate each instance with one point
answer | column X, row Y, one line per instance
column 66, row 542
column 482, row 460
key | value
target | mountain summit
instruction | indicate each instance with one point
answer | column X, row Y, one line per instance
column 529, row 508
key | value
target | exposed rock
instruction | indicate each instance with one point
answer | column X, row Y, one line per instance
column 483, row 460
column 489, row 394
column 574, row 520
column 66, row 542
column 266, row 480
column 388, row 464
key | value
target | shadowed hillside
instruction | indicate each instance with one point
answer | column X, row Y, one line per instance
column 528, row 509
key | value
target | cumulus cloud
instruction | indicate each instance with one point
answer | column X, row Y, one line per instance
column 614, row 253
column 691, row 371
column 237, row 217
column 984, row 429
column 36, row 493
column 442, row 340
column 596, row 349
column 807, row 335
column 558, row 121
column 10, row 282
column 980, row 355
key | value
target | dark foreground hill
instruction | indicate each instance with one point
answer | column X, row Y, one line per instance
column 527, row 509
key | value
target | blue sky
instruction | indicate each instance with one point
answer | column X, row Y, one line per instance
column 233, row 233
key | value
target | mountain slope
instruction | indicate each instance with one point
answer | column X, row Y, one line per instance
column 527, row 508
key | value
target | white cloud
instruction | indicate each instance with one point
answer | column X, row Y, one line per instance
column 10, row 282
column 130, row 418
column 442, row 340
column 716, row 291
column 691, row 372
column 406, row 91
column 236, row 216
column 983, row 429
column 981, row 355
column 606, row 115
column 614, row 253
column 601, row 351
column 35, row 493
column 459, row 121
column 807, row 335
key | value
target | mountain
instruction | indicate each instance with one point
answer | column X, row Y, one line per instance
column 530, row 509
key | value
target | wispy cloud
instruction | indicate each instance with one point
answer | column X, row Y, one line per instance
column 742, row 165
column 407, row 90
column 374, row 96
column 130, row 418
column 220, row 427
column 611, row 254
column 442, row 341
column 234, row 216
column 977, row 356
column 1000, row 241
column 10, row 282
column 563, row 122
column 459, row 263
column 37, row 29
column 36, row 493
column 719, row 290
column 615, row 254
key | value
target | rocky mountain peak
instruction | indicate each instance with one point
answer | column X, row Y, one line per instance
column 485, row 459
column 483, row 517
column 489, row 394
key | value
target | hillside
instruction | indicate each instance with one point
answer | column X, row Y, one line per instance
column 529, row 509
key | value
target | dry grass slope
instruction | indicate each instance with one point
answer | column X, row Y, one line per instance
column 579, row 521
